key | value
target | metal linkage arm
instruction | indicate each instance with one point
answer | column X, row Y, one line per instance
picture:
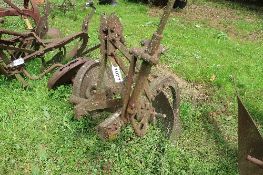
column 152, row 52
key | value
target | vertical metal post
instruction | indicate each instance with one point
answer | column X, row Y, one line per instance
column 146, row 66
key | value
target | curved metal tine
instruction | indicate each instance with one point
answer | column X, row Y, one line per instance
column 250, row 143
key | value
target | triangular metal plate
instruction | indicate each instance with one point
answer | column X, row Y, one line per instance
column 250, row 143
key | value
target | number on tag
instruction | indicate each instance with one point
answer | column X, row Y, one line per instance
column 18, row 62
column 117, row 74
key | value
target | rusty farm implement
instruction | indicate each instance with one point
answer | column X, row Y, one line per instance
column 16, row 49
column 27, row 9
column 123, row 82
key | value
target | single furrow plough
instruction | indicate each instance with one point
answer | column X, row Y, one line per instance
column 123, row 82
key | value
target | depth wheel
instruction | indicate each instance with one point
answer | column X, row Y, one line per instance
column 85, row 82
column 166, row 104
column 162, row 110
column 65, row 74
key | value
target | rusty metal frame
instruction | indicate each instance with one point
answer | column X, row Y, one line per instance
column 136, row 93
column 41, row 47
column 33, row 12
column 29, row 45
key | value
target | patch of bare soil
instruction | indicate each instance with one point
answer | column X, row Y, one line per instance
column 220, row 18
column 190, row 91
column 257, row 35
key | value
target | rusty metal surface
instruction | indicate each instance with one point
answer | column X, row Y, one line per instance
column 94, row 83
column 28, row 46
column 85, row 72
column 42, row 26
column 110, row 127
column 150, row 56
column 250, row 144
column 143, row 99
column 165, row 101
column 85, row 87
column 255, row 161
column 30, row 9
column 66, row 74
column 17, row 49
column 14, row 10
column 161, row 109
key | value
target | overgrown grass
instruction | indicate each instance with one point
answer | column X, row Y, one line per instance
column 38, row 134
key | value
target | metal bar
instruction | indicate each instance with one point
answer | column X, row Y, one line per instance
column 128, row 88
column 91, row 49
column 8, row 32
column 156, row 38
column 255, row 161
column 145, row 68
column 121, row 64
column 15, row 11
column 57, row 44
column 16, row 49
column 121, row 47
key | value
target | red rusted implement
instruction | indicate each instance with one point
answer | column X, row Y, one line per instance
column 29, row 9
column 16, row 49
column 141, row 98
column 27, row 46
column 66, row 74
column 250, row 144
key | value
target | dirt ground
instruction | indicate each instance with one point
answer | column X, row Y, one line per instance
column 219, row 18
column 190, row 91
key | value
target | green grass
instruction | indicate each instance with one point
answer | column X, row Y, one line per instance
column 38, row 134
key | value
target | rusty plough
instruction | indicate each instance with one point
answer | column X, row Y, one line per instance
column 122, row 82
column 16, row 49
column 250, row 144
column 29, row 9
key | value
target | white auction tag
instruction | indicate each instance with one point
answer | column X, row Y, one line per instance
column 117, row 74
column 18, row 62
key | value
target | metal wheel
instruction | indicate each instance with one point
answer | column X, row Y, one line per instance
column 65, row 74
column 85, row 82
column 162, row 110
